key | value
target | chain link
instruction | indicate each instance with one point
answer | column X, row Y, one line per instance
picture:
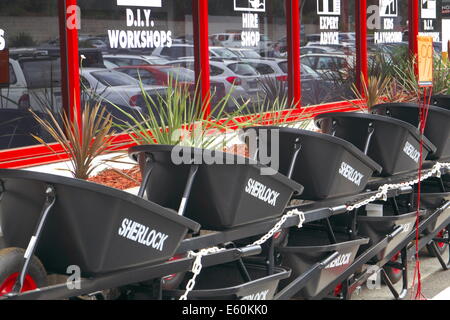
column 280, row 223
column 197, row 267
column 384, row 190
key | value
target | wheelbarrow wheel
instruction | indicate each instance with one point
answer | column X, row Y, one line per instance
column 11, row 262
column 440, row 246
column 394, row 274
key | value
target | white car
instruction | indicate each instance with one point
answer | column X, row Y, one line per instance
column 114, row 87
column 243, row 82
column 34, row 83
column 124, row 60
column 330, row 65
column 269, row 67
column 175, row 52
column 222, row 53
column 234, row 40
column 245, row 53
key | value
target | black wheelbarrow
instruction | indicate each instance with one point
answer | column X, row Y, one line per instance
column 308, row 247
column 69, row 222
column 229, row 282
column 392, row 143
column 437, row 127
column 326, row 166
column 228, row 192
column 377, row 227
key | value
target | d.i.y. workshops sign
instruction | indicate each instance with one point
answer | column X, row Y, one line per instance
column 140, row 32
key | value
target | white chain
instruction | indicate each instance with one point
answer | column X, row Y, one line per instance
column 197, row 266
column 384, row 190
column 280, row 223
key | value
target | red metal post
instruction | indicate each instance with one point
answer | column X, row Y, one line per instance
column 69, row 51
column 413, row 26
column 362, row 72
column 293, row 40
column 201, row 49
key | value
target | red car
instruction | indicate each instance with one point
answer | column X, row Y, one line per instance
column 160, row 75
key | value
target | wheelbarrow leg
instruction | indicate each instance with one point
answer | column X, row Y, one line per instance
column 404, row 267
column 146, row 177
column 404, row 257
column 49, row 203
column 432, row 247
column 187, row 191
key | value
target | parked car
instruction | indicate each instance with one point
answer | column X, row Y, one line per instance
column 242, row 90
column 329, row 65
column 245, row 53
column 310, row 49
column 175, row 52
column 162, row 75
column 34, row 82
column 269, row 67
column 114, row 87
column 118, row 60
column 234, row 40
column 222, row 53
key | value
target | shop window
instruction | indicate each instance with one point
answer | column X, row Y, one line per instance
column 29, row 39
column 252, row 37
column 328, row 50
column 135, row 39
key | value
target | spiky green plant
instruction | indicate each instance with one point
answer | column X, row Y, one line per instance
column 180, row 116
column 373, row 91
column 83, row 144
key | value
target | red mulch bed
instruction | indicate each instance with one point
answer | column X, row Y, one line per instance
column 112, row 178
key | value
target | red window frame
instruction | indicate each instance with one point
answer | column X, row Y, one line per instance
column 38, row 155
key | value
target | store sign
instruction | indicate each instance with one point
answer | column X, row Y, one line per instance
column 140, row 33
column 381, row 19
column 428, row 14
column 2, row 40
column 428, row 9
column 329, row 12
column 389, row 8
column 250, row 5
column 250, row 35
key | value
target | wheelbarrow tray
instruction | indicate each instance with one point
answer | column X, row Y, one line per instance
column 437, row 128
column 84, row 226
column 308, row 247
column 377, row 228
column 430, row 201
column 326, row 166
column 224, row 282
column 442, row 101
column 395, row 144
column 223, row 196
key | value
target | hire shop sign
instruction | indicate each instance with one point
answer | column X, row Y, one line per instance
column 329, row 12
column 140, row 32
column 250, row 35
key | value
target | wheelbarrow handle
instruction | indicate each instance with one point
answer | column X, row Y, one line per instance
column 250, row 251
column 396, row 232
